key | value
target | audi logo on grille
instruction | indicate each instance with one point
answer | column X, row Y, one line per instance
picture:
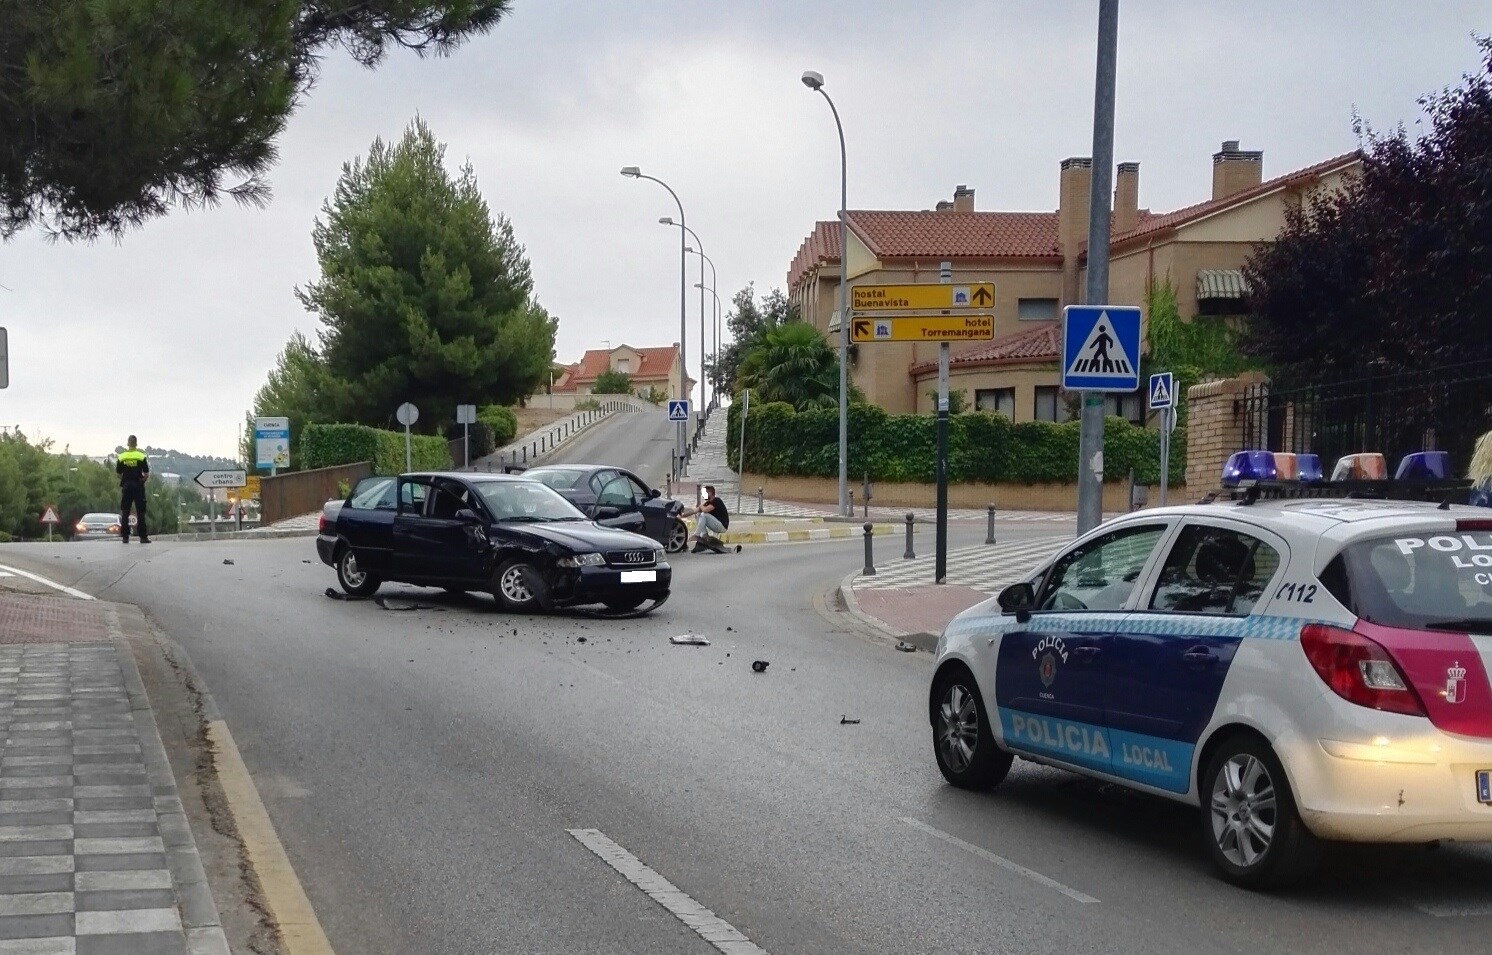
column 637, row 557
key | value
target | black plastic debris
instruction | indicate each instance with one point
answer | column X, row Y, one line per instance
column 227, row 560
column 846, row 721
column 338, row 595
column 580, row 639
column 905, row 647
column 759, row 666
column 387, row 604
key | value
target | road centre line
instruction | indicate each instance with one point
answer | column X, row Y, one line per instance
column 709, row 926
column 1000, row 861
column 71, row 592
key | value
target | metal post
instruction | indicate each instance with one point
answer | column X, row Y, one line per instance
column 759, row 509
column 741, row 456
column 852, row 502
column 1167, row 421
column 1090, row 442
column 408, row 466
column 844, row 302
column 989, row 530
column 212, row 512
column 910, row 554
column 466, row 438
column 870, row 564
column 940, row 560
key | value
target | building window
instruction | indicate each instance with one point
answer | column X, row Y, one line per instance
column 1130, row 407
column 624, row 365
column 998, row 400
column 1050, row 405
column 1037, row 309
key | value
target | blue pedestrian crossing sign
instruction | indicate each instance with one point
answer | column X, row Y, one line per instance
column 1100, row 348
column 1162, row 391
column 678, row 409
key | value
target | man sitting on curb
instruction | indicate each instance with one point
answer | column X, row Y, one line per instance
column 713, row 521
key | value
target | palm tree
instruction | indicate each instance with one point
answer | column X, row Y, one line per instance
column 792, row 362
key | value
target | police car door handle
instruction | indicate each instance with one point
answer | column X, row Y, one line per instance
column 1086, row 654
column 1199, row 656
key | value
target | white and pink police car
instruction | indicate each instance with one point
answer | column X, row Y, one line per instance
column 1303, row 662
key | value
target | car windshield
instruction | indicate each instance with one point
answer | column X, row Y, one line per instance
column 373, row 494
column 1423, row 581
column 561, row 479
column 526, row 501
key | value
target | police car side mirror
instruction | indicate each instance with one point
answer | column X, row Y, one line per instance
column 1018, row 599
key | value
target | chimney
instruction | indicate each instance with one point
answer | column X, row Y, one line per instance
column 1234, row 170
column 1127, row 197
column 963, row 199
column 945, row 206
column 1075, row 194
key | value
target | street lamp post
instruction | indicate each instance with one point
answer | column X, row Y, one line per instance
column 632, row 172
column 714, row 315
column 815, row 82
column 716, row 321
column 667, row 220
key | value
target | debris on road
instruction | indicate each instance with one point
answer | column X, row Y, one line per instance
column 338, row 595
column 905, row 647
column 580, row 639
column 690, row 640
column 387, row 604
column 760, row 666
column 227, row 560
column 846, row 721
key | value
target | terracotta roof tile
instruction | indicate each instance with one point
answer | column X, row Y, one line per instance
column 1040, row 343
column 653, row 364
column 821, row 246
column 965, row 235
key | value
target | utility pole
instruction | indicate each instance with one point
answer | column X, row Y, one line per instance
column 940, row 562
column 1090, row 442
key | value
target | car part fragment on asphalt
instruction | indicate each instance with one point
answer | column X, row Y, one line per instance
column 227, row 560
column 338, row 595
column 387, row 604
column 846, row 721
column 760, row 666
column 905, row 647
column 689, row 639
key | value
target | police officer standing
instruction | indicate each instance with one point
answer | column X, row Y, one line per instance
column 133, row 469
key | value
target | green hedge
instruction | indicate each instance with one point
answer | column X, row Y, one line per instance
column 982, row 447
column 502, row 421
column 328, row 445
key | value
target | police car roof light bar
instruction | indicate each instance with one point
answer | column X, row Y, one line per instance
column 1443, row 492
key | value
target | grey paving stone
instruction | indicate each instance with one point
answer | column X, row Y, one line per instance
column 104, row 759
column 49, row 847
column 168, row 804
column 36, row 926
column 109, row 732
column 35, row 865
column 19, row 884
column 129, row 921
column 154, row 943
column 108, row 803
column 129, row 789
column 207, row 941
column 41, row 772
column 124, row 899
column 36, row 804
column 38, row 946
column 117, row 830
column 25, row 819
column 34, row 833
column 36, row 903
column 10, row 787
column 197, row 907
column 185, row 866
column 107, row 816
column 96, row 749
column 121, row 862
column 88, row 847
column 132, row 881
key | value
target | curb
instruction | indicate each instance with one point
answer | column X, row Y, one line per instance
column 815, row 534
column 845, row 591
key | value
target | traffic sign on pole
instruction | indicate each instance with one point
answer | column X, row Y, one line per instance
column 1162, row 391
column 215, row 479
column 924, row 328
column 1100, row 348
column 272, row 443
column 882, row 298
column 678, row 409
column 50, row 516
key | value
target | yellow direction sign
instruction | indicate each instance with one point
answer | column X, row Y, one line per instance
column 924, row 328
column 249, row 491
column 884, row 298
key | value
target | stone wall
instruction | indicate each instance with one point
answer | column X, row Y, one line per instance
column 1215, row 427
column 1013, row 497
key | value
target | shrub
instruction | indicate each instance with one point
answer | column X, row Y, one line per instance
column 611, row 382
column 587, row 404
column 328, row 445
column 655, row 395
column 5, row 537
column 502, row 421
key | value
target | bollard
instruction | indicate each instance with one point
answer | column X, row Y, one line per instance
column 910, row 554
column 525, row 454
column 759, row 501
column 852, row 502
column 989, row 533
column 870, row 564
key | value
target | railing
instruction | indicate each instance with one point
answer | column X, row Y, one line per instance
column 290, row 495
column 1444, row 408
column 539, row 443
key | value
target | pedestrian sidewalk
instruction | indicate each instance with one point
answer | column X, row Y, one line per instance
column 903, row 600
column 96, row 854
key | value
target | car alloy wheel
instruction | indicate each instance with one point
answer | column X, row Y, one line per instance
column 678, row 537
column 354, row 580
column 1244, row 810
column 519, row 585
column 958, row 727
column 963, row 743
column 514, row 584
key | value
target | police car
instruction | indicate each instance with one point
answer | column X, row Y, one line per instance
column 1302, row 661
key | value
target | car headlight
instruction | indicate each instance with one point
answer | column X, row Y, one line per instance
column 660, row 555
column 581, row 560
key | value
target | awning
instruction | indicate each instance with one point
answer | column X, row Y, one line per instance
column 1221, row 283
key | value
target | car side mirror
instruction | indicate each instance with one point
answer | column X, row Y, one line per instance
column 468, row 516
column 1018, row 599
column 654, row 494
column 606, row 513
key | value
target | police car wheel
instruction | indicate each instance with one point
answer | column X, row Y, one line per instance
column 353, row 579
column 1249, row 820
column 965, row 747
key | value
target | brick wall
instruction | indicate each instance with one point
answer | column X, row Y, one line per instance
column 1013, row 497
column 1215, row 427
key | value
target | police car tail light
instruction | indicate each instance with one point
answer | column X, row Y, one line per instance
column 1358, row 669
column 1474, row 525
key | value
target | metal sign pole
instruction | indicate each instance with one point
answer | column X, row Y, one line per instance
column 940, row 561
column 741, row 457
column 407, row 457
column 212, row 512
column 466, row 451
column 1165, row 451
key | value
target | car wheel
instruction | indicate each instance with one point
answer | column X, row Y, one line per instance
column 965, row 747
column 624, row 603
column 354, row 580
column 1249, row 820
column 678, row 537
column 519, row 585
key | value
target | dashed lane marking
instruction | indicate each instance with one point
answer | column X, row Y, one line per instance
column 1000, row 861
column 17, row 572
column 709, row 926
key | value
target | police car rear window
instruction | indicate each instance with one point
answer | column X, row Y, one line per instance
column 1437, row 581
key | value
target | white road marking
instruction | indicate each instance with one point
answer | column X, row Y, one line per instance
column 16, row 571
column 709, row 926
column 1000, row 861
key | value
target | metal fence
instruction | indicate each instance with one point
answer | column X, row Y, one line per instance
column 1444, row 408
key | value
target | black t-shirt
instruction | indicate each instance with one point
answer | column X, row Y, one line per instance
column 718, row 511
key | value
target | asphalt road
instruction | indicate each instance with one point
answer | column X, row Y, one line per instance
column 423, row 769
column 642, row 442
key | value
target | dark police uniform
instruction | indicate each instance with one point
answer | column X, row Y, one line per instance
column 133, row 468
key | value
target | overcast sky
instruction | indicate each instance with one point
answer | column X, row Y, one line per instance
column 168, row 333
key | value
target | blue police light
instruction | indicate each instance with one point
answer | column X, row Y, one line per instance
column 1308, row 466
column 1424, row 466
column 1248, row 466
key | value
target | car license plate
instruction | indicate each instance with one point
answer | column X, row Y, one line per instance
column 639, row 576
column 1484, row 786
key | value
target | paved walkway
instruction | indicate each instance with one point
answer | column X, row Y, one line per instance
column 96, row 855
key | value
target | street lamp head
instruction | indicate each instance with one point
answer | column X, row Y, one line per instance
column 690, row 249
column 813, row 80
column 631, row 172
column 666, row 220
